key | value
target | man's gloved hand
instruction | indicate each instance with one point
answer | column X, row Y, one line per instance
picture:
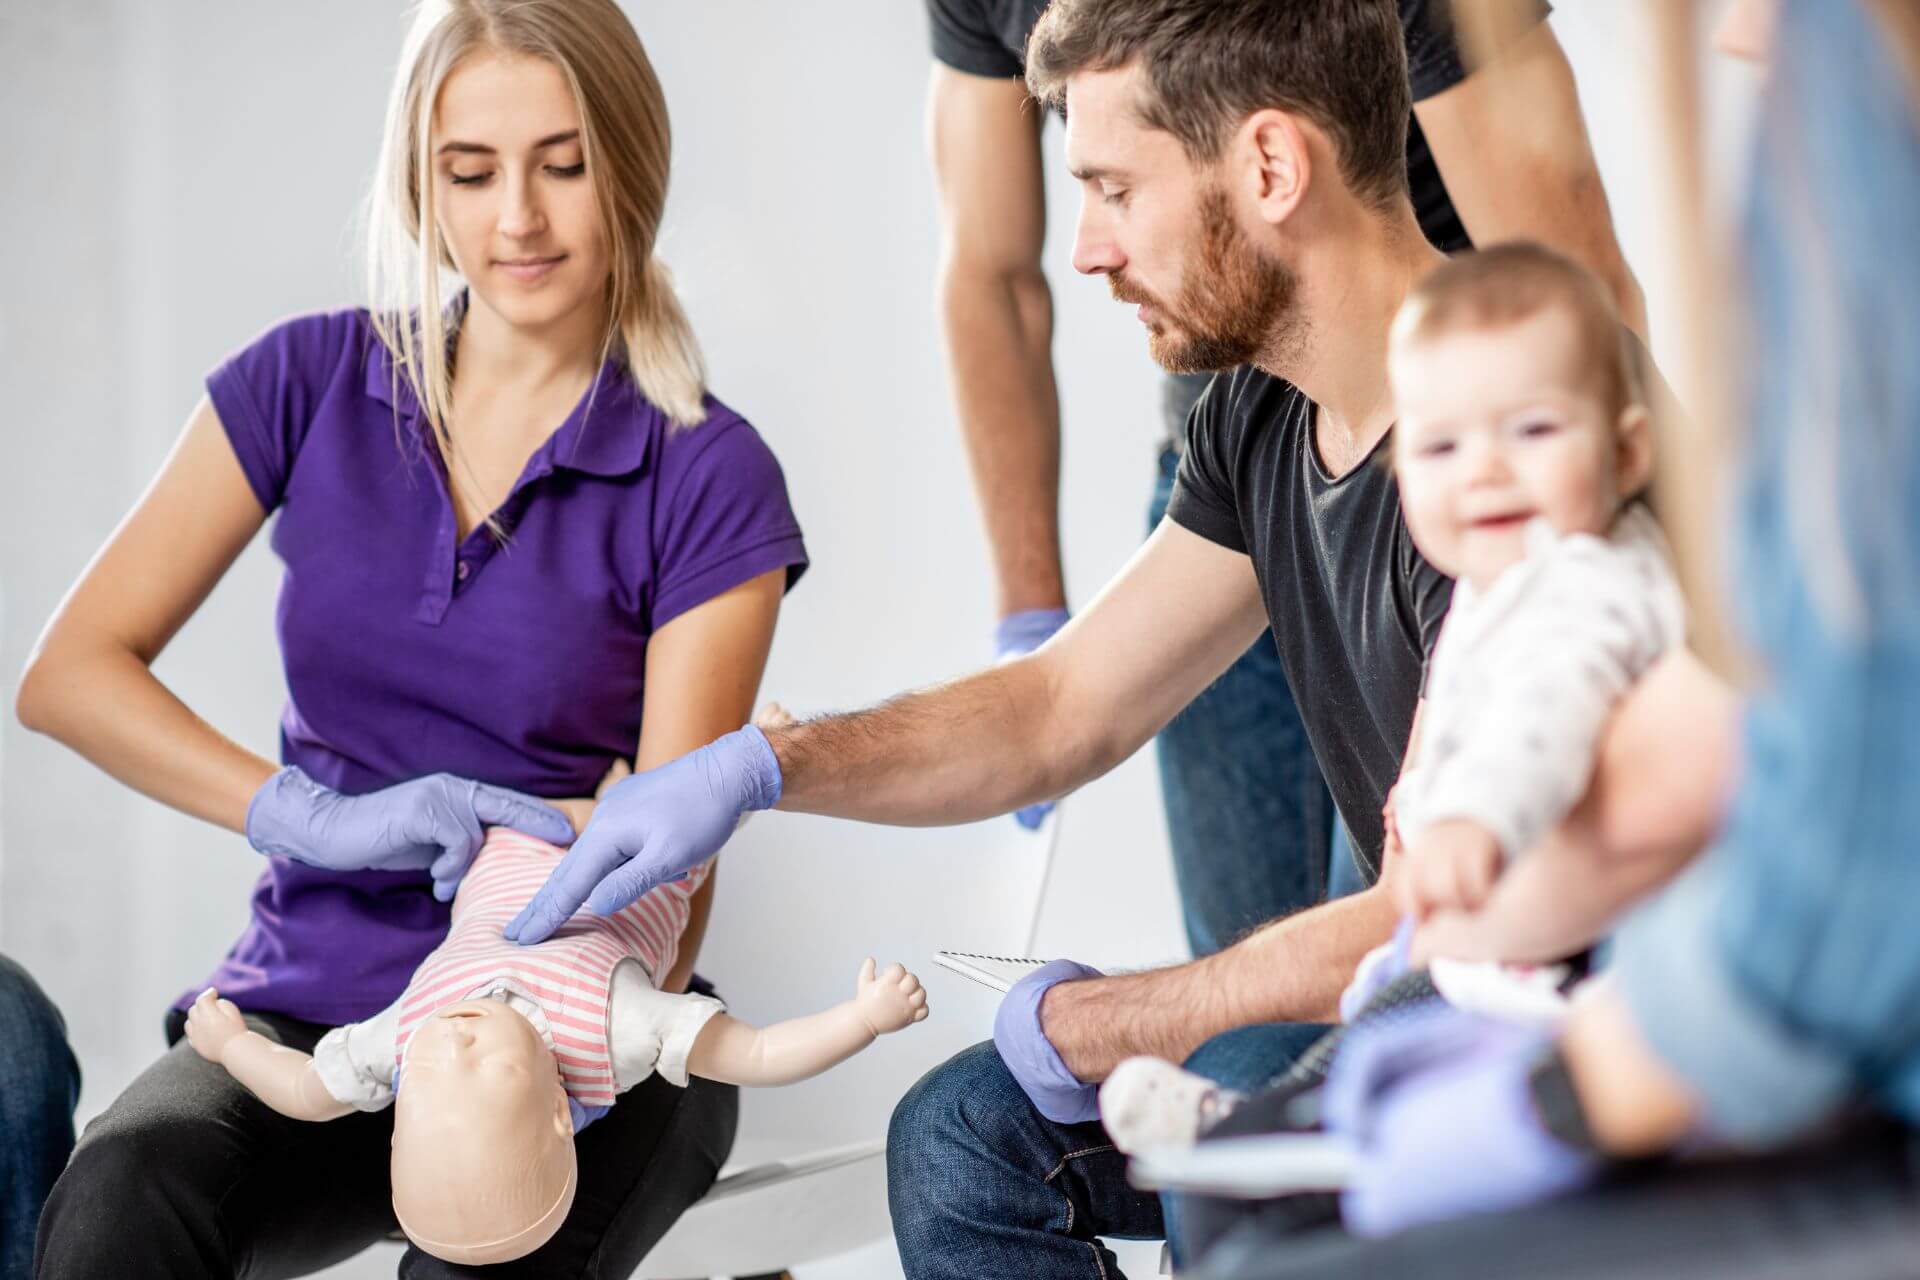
column 654, row 827
column 1031, row 1057
column 1439, row 1108
column 1017, row 635
column 436, row 822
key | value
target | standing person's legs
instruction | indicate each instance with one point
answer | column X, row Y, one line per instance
column 981, row 1184
column 641, row 1166
column 39, row 1087
column 189, row 1175
column 1248, row 815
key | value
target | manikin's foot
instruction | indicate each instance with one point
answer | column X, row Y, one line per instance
column 1148, row 1103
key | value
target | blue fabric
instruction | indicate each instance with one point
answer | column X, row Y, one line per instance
column 1248, row 814
column 1807, row 905
column 39, row 1088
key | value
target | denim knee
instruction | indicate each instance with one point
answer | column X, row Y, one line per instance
column 964, row 1105
column 34, row 1058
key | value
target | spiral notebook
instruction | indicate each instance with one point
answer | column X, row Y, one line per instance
column 998, row 972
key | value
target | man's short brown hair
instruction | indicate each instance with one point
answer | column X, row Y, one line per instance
column 1501, row 286
column 1210, row 64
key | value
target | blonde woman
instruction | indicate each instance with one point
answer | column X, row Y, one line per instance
column 520, row 539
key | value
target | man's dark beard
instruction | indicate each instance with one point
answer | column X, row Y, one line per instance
column 1234, row 303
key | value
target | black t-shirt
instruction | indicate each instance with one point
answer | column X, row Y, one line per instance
column 989, row 38
column 1355, row 608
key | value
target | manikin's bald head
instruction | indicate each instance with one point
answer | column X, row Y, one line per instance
column 483, row 1161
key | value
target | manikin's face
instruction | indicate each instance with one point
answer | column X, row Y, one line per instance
column 513, row 199
column 1496, row 427
column 1167, row 235
column 482, row 1049
column 483, row 1161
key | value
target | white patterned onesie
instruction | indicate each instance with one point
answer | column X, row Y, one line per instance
column 1526, row 674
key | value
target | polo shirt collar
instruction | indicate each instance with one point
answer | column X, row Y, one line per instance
column 610, row 441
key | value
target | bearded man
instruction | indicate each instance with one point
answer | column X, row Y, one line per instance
column 1243, row 166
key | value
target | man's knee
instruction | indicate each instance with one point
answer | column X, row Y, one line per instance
column 962, row 1104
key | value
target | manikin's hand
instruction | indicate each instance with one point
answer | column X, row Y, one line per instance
column 436, row 822
column 1055, row 1092
column 213, row 1024
column 1017, row 635
column 890, row 1001
column 655, row 827
column 1451, row 866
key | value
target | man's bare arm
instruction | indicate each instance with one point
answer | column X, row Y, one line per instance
column 1177, row 616
column 1511, row 143
column 1659, row 792
column 997, row 314
column 1290, row 971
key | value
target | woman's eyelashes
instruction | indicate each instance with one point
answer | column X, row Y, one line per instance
column 480, row 179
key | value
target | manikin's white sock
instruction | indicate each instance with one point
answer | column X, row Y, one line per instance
column 1149, row 1103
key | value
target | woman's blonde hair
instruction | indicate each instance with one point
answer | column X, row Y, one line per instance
column 626, row 142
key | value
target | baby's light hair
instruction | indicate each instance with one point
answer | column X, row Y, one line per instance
column 1508, row 283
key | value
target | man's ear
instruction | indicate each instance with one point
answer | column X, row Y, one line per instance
column 1280, row 163
column 1634, row 456
column 562, row 1114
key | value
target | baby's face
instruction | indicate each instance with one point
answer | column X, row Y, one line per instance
column 1497, row 427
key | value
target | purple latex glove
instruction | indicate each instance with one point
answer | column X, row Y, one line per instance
column 1378, row 968
column 437, row 822
column 654, row 827
column 1017, row 635
column 583, row 1115
column 1055, row 1092
column 1440, row 1111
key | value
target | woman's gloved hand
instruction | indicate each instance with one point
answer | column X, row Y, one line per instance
column 436, row 823
column 1054, row 1091
column 1440, row 1110
column 654, row 827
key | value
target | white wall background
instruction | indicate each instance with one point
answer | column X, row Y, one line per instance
column 177, row 177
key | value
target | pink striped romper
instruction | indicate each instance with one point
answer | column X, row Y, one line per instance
column 568, row 976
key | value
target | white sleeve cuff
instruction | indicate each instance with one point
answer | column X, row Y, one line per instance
column 649, row 1030
column 349, row 1063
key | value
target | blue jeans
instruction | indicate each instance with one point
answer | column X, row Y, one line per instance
column 1248, row 814
column 39, row 1088
column 981, row 1184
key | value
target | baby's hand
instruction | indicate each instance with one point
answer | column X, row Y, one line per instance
column 773, row 716
column 890, row 1001
column 213, row 1024
column 1452, row 866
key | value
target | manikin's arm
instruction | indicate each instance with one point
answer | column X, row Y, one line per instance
column 997, row 314
column 730, row 1051
column 1666, row 764
column 282, row 1078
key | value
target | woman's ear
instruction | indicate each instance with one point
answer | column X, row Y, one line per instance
column 1633, row 459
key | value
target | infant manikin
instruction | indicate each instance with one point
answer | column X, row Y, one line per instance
column 1522, row 443
column 497, row 1054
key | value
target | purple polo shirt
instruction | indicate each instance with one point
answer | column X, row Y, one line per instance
column 409, row 650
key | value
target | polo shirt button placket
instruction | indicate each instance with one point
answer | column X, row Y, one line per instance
column 463, row 570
